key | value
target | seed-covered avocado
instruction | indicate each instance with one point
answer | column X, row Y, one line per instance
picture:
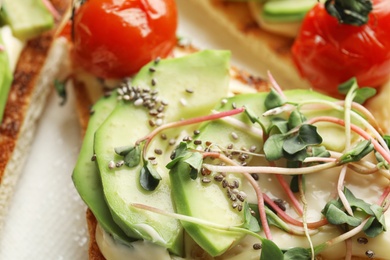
column 27, row 18
column 162, row 92
column 86, row 177
column 5, row 79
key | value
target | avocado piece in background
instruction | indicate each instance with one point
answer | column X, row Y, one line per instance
column 27, row 18
column 5, row 79
column 192, row 85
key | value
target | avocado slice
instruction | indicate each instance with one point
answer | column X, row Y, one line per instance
column 286, row 10
column 185, row 83
column 27, row 18
column 86, row 177
column 6, row 78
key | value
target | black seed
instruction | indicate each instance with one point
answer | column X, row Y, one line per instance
column 218, row 178
column 370, row 254
column 151, row 158
column 236, row 183
column 93, row 158
column 91, row 111
column 234, row 105
column 158, row 151
column 253, row 148
column 157, row 60
column 257, row 246
column 239, row 207
column 230, row 146
column 196, row 132
column 119, row 164
column 152, row 69
column 154, row 82
column 198, row 142
column 255, row 176
column 241, row 196
column 164, row 136
column 362, row 240
column 234, row 205
column 208, row 143
column 233, row 197
column 224, row 183
column 280, row 203
column 189, row 90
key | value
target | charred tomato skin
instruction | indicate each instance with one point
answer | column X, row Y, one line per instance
column 115, row 38
column 328, row 53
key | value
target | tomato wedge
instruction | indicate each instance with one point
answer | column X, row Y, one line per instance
column 328, row 52
column 115, row 38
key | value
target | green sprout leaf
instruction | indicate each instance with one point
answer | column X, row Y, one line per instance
column 251, row 222
column 253, row 117
column 336, row 216
column 362, row 94
column 273, row 99
column 273, row 147
column 296, row 118
column 376, row 224
column 149, row 177
column 187, row 161
column 307, row 135
column 319, row 151
column 297, row 253
column 356, row 202
column 131, row 155
column 278, row 126
column 357, row 153
column 346, row 86
column 270, row 250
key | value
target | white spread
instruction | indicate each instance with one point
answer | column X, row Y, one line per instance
column 13, row 46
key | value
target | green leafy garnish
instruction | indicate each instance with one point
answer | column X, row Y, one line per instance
column 357, row 153
column 251, row 222
column 131, row 155
column 297, row 253
column 273, row 99
column 192, row 161
column 376, row 224
column 149, row 177
column 270, row 250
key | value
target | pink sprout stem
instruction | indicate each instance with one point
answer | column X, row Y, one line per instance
column 49, row 6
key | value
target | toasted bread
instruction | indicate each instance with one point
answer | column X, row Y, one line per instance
column 271, row 50
column 40, row 62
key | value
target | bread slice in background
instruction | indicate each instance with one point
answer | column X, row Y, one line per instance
column 41, row 62
column 272, row 51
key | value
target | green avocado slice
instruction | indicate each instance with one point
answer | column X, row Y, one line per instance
column 5, row 79
column 27, row 18
column 192, row 85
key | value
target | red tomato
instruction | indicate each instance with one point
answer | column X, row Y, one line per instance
column 115, row 38
column 328, row 53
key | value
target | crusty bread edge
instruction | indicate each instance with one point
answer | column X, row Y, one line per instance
column 272, row 52
column 53, row 66
column 43, row 60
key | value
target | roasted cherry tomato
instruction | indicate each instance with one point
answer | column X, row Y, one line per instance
column 115, row 38
column 328, row 52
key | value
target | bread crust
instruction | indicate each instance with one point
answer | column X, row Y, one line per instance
column 25, row 103
column 271, row 50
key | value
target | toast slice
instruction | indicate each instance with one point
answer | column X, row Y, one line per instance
column 272, row 50
column 40, row 63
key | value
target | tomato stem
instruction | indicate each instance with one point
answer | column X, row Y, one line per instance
column 352, row 12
